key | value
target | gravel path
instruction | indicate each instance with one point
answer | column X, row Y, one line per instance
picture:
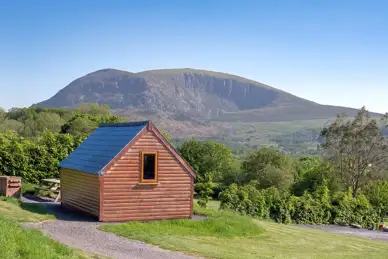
column 370, row 234
column 82, row 233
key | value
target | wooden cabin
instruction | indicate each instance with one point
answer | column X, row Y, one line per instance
column 127, row 171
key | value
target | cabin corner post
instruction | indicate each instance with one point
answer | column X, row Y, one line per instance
column 101, row 209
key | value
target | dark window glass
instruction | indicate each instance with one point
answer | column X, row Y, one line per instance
column 149, row 167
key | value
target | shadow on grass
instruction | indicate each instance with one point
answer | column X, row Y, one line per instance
column 34, row 208
column 43, row 206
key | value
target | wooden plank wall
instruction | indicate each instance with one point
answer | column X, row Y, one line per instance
column 125, row 199
column 80, row 191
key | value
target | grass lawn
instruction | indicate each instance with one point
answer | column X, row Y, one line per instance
column 227, row 235
column 19, row 242
column 13, row 209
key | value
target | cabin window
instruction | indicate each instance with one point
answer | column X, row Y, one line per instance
column 149, row 166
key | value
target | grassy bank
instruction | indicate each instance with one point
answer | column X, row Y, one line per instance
column 226, row 235
column 12, row 209
column 20, row 242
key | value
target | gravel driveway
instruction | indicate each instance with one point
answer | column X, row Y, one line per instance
column 82, row 233
column 370, row 234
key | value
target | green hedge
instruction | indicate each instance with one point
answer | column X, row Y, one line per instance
column 318, row 207
column 34, row 159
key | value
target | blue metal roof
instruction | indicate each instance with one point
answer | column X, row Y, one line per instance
column 102, row 146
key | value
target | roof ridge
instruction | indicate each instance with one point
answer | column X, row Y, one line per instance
column 125, row 124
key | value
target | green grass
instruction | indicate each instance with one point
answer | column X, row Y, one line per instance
column 224, row 224
column 28, row 188
column 211, row 209
column 28, row 243
column 18, row 242
column 13, row 209
column 226, row 235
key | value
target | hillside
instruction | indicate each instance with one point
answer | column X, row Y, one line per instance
column 184, row 94
column 190, row 102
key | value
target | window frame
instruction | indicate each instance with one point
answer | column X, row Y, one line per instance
column 142, row 154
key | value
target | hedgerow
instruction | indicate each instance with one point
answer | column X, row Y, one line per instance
column 34, row 159
column 318, row 207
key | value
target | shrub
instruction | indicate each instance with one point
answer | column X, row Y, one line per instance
column 277, row 205
column 316, row 207
column 358, row 210
column 246, row 200
column 35, row 159
column 377, row 194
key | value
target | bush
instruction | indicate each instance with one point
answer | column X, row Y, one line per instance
column 311, row 208
column 35, row 159
column 246, row 200
column 358, row 210
column 277, row 205
column 377, row 194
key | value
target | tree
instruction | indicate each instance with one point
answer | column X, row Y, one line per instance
column 377, row 194
column 204, row 188
column 81, row 125
column 3, row 114
column 210, row 160
column 271, row 176
column 311, row 173
column 12, row 125
column 48, row 120
column 269, row 167
column 356, row 149
column 207, row 157
column 93, row 109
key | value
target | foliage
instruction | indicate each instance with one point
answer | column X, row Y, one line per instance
column 316, row 207
column 269, row 167
column 211, row 160
column 311, row 208
column 81, row 125
column 204, row 188
column 35, row 159
column 349, row 209
column 377, row 194
column 311, row 173
column 356, row 149
column 246, row 200
column 207, row 157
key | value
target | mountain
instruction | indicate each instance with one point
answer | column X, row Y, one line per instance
column 188, row 102
column 183, row 94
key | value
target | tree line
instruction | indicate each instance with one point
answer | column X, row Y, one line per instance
column 348, row 184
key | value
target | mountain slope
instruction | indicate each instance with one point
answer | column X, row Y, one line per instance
column 189, row 94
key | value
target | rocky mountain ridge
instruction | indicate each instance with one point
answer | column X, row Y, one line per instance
column 189, row 94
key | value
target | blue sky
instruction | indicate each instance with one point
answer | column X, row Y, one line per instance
column 331, row 52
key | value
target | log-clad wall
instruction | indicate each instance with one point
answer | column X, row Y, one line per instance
column 80, row 191
column 125, row 198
